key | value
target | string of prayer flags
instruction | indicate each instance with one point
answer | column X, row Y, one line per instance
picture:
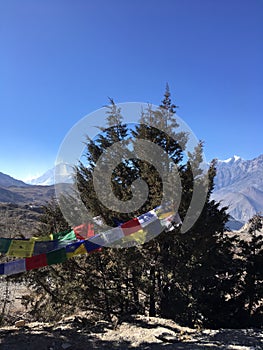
column 67, row 244
column 24, row 248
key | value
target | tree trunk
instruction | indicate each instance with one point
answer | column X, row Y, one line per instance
column 152, row 309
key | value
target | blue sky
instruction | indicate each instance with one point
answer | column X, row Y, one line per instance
column 61, row 59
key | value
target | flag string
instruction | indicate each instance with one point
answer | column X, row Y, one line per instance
column 37, row 252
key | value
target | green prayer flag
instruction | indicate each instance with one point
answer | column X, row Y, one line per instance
column 5, row 244
column 65, row 236
column 56, row 256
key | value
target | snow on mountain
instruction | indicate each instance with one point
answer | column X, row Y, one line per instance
column 239, row 185
column 230, row 160
column 61, row 173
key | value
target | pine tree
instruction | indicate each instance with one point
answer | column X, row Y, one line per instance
column 122, row 176
column 250, row 288
column 201, row 277
column 188, row 277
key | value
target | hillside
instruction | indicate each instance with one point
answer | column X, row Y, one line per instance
column 19, row 220
column 21, row 206
column 7, row 181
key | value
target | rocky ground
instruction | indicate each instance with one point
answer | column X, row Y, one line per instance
column 141, row 332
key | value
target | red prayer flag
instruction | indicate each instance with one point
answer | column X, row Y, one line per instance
column 131, row 226
column 36, row 262
column 84, row 231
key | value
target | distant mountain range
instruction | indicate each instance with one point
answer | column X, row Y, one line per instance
column 18, row 192
column 238, row 185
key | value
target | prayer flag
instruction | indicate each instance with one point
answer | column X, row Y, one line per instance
column 45, row 247
column 76, row 248
column 5, row 244
column 13, row 267
column 64, row 243
column 84, row 231
column 36, row 262
column 163, row 215
column 70, row 248
column 99, row 239
column 139, row 237
column 153, row 229
column 79, row 251
column 131, row 226
column 146, row 218
column 57, row 256
column 90, row 246
column 21, row 248
column 113, row 235
column 65, row 235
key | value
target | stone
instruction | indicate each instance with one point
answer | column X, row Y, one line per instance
column 167, row 337
column 20, row 323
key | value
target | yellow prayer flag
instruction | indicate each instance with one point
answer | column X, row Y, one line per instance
column 165, row 215
column 21, row 248
column 138, row 237
column 80, row 250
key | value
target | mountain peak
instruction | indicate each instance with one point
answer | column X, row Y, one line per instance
column 61, row 173
column 231, row 160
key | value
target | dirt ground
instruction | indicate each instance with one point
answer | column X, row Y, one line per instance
column 142, row 332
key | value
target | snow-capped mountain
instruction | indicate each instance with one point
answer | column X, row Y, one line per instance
column 239, row 185
column 61, row 173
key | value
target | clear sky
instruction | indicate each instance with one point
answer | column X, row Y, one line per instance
column 61, row 59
